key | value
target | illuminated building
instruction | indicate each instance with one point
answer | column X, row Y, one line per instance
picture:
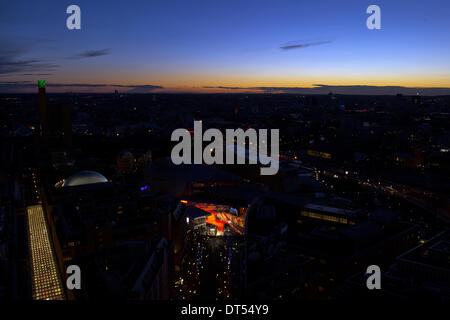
column 83, row 178
column 319, row 154
column 216, row 215
column 325, row 217
column 211, row 219
column 331, row 214
column 46, row 281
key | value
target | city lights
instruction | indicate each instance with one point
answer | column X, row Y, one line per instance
column 46, row 282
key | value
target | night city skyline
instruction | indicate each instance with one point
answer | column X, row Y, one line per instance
column 225, row 158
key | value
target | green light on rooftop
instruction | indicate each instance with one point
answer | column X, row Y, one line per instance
column 41, row 83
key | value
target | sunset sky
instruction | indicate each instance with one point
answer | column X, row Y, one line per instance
column 222, row 46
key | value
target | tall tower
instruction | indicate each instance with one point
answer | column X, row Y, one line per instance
column 55, row 122
column 43, row 111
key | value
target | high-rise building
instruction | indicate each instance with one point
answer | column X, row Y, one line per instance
column 59, row 125
column 55, row 122
column 43, row 112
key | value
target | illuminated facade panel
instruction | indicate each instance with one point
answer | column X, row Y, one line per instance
column 46, row 281
column 319, row 154
column 325, row 217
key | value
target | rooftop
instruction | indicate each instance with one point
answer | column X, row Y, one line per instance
column 83, row 178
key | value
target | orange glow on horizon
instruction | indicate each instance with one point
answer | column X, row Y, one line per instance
column 254, row 83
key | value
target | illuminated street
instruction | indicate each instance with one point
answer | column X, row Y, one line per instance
column 207, row 268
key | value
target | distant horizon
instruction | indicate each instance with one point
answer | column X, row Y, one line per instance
column 29, row 87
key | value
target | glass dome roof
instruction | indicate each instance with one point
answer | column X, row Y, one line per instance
column 84, row 177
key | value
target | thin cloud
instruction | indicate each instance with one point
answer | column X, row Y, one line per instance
column 303, row 45
column 13, row 57
column 16, row 86
column 91, row 54
column 345, row 90
column 221, row 87
column 144, row 89
column 37, row 74
column 10, row 64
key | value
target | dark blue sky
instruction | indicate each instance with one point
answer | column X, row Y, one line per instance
column 189, row 45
